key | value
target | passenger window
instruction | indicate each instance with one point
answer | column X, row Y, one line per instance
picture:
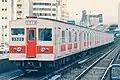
column 75, row 36
column 63, row 36
column 31, row 35
column 45, row 34
column 17, row 31
column 85, row 36
column 70, row 39
column 79, row 36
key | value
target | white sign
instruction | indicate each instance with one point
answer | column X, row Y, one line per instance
column 31, row 22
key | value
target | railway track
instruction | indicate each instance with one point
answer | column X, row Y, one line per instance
column 59, row 73
column 99, row 67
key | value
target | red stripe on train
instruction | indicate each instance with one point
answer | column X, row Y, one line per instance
column 69, row 46
column 13, row 49
column 75, row 45
column 45, row 49
column 85, row 44
column 63, row 47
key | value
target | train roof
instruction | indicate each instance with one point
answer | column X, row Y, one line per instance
column 60, row 22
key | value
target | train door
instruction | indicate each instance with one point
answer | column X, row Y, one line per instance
column 31, row 42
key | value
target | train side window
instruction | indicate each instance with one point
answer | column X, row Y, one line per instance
column 79, row 36
column 75, row 36
column 17, row 31
column 45, row 34
column 70, row 37
column 85, row 36
column 63, row 36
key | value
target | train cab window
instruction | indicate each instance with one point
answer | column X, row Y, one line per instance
column 45, row 34
column 70, row 37
column 31, row 35
column 63, row 36
column 17, row 31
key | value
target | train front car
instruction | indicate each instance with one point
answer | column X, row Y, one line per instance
column 31, row 43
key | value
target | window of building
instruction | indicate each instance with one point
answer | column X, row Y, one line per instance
column 53, row 14
column 53, row 9
column 19, row 5
column 2, row 26
column 70, row 37
column 19, row 0
column 2, row 9
column 63, row 36
column 6, row 26
column 4, row 0
column 17, row 31
column 19, row 12
column 5, row 35
column 5, row 17
column 46, row 4
column 45, row 34
column 53, row 4
column 42, row 9
column 19, row 18
column 2, row 17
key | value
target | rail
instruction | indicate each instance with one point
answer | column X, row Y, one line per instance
column 86, row 70
column 110, row 65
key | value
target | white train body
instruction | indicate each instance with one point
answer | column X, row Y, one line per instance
column 50, row 40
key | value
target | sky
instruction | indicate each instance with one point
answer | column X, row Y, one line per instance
column 109, row 8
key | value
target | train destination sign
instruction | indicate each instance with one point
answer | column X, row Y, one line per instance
column 31, row 22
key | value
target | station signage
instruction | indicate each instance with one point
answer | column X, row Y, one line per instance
column 31, row 22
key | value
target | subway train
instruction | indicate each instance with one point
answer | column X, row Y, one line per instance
column 41, row 43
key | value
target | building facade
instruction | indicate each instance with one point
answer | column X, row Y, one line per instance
column 54, row 9
column 45, row 8
column 5, row 17
column 39, row 8
column 20, row 9
column 62, row 11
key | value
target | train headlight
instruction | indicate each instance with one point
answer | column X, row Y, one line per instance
column 43, row 49
column 19, row 49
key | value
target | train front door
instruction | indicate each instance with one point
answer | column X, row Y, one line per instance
column 31, row 42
